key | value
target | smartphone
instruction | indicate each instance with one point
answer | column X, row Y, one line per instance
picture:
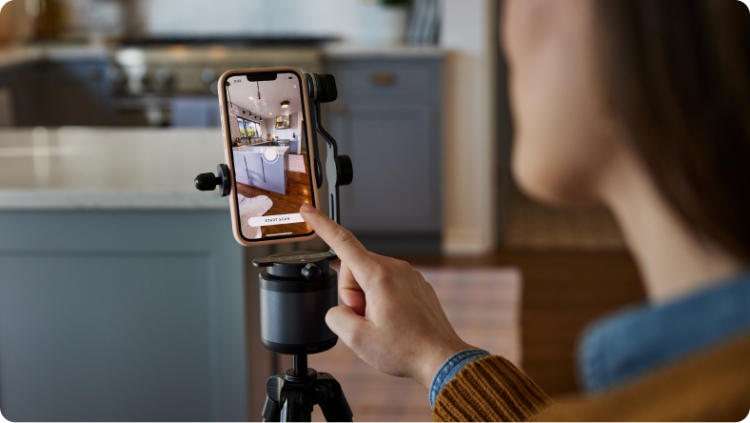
column 266, row 133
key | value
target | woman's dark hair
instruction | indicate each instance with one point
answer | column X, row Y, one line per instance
column 678, row 72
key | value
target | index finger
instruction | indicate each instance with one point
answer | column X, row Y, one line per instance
column 346, row 246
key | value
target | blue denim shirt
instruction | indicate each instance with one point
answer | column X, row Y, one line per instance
column 450, row 369
column 644, row 337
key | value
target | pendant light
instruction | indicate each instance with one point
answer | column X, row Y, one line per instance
column 260, row 104
column 233, row 109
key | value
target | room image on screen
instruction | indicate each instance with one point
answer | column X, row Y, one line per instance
column 269, row 153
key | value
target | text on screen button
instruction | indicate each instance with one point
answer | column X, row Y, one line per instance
column 279, row 219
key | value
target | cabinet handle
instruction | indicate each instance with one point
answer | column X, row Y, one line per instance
column 383, row 78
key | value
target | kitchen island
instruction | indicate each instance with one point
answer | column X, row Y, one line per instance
column 122, row 290
column 262, row 166
column 269, row 170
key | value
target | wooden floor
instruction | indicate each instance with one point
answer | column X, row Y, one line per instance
column 298, row 192
column 563, row 291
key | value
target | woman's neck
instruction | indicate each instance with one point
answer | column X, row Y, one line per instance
column 673, row 261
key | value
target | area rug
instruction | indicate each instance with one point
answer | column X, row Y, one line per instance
column 297, row 163
column 252, row 207
column 483, row 304
column 533, row 226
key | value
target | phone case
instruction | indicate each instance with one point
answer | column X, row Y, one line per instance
column 228, row 153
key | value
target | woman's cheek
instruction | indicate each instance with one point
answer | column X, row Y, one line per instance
column 558, row 152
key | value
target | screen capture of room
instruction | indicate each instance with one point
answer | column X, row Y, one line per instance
column 269, row 154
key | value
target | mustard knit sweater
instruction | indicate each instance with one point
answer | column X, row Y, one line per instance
column 711, row 386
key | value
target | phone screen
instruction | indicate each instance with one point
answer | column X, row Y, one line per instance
column 270, row 153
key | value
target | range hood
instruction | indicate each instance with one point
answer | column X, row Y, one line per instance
column 283, row 122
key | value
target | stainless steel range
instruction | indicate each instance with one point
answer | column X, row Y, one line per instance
column 176, row 85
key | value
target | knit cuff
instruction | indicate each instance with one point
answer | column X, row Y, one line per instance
column 490, row 389
column 450, row 369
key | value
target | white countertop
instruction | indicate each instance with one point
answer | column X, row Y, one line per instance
column 21, row 55
column 262, row 148
column 107, row 169
column 345, row 50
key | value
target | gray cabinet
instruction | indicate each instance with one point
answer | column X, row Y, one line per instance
column 251, row 168
column 387, row 118
column 128, row 316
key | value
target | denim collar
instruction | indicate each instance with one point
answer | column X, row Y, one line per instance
column 645, row 337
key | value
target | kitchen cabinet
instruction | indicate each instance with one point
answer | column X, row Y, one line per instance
column 74, row 93
column 252, row 169
column 22, row 82
column 124, row 316
column 8, row 80
column 387, row 119
column 240, row 169
column 59, row 92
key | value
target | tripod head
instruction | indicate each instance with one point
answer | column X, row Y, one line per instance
column 296, row 291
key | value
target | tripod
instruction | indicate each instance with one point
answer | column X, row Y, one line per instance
column 292, row 395
column 296, row 291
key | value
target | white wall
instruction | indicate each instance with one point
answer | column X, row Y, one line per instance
column 470, row 135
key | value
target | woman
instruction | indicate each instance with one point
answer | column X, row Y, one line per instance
column 639, row 105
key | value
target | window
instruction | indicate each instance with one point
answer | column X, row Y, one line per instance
column 248, row 128
column 241, row 123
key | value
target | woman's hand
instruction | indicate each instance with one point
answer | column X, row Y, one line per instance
column 391, row 317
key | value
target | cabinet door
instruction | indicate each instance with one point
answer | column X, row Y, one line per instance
column 256, row 172
column 28, row 97
column 126, row 316
column 240, row 168
column 23, row 84
column 75, row 93
column 8, row 80
column 395, row 153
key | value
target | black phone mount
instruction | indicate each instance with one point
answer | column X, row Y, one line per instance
column 297, row 289
column 209, row 181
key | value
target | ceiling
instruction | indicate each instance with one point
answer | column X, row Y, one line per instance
column 273, row 92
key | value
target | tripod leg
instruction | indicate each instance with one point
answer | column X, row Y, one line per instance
column 293, row 411
column 271, row 411
column 332, row 401
column 337, row 410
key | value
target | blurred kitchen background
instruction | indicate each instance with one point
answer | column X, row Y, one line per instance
column 123, row 295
